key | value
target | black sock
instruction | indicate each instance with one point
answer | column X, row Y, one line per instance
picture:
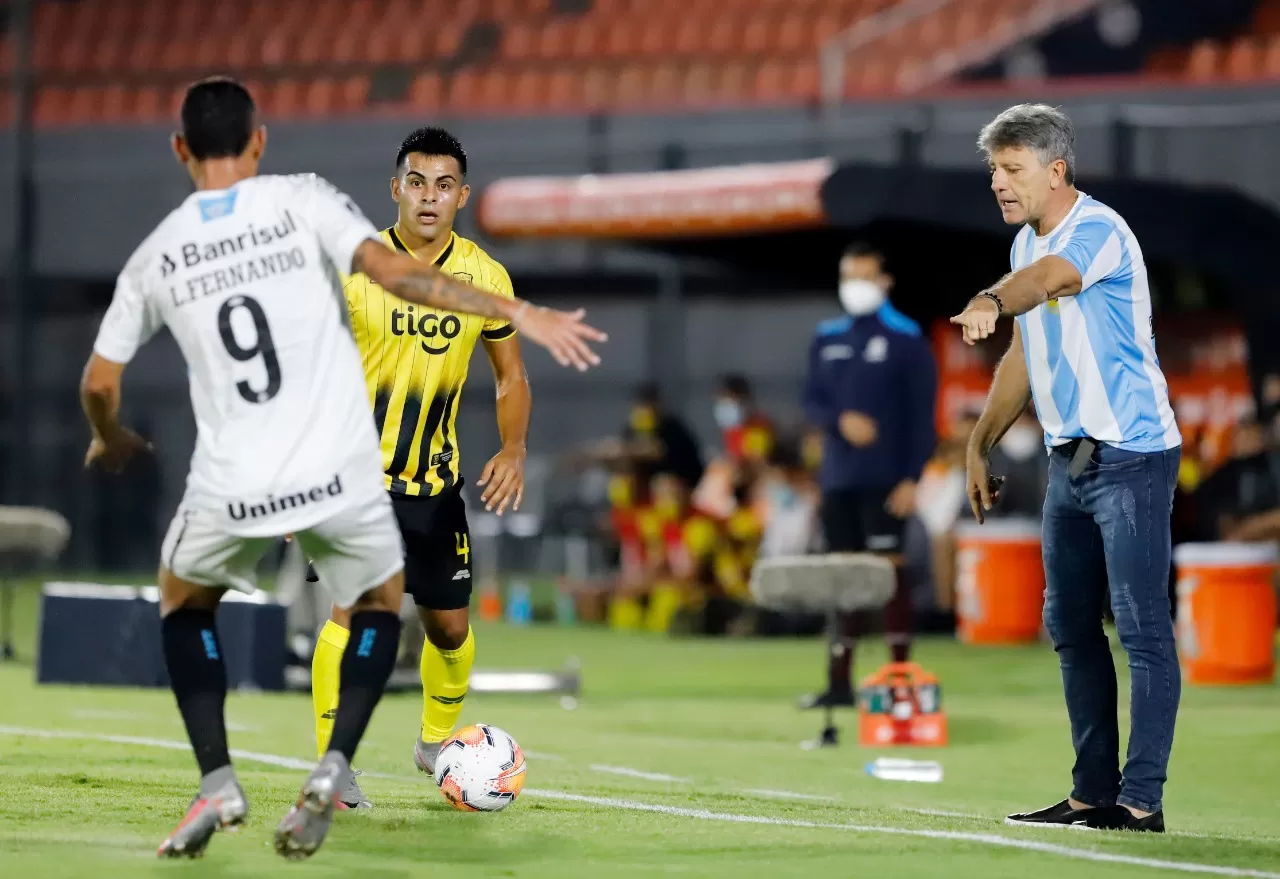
column 193, row 656
column 897, row 618
column 366, row 665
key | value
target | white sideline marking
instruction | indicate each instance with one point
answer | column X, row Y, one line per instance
column 786, row 795
column 541, row 755
column 634, row 773
column 706, row 815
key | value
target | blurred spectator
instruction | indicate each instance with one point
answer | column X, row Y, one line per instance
column 940, row 501
column 746, row 430
column 791, row 503
column 1238, row 501
column 748, row 436
column 871, row 388
column 659, row 441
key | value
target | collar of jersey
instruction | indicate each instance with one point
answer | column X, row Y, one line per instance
column 439, row 261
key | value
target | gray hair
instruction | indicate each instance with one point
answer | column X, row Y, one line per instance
column 1044, row 130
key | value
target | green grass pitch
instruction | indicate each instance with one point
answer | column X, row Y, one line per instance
column 676, row 763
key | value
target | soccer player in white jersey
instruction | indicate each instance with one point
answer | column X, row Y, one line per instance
column 245, row 275
column 1083, row 350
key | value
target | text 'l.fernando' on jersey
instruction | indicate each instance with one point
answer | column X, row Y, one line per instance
column 415, row 363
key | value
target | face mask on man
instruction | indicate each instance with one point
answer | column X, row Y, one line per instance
column 859, row 297
column 1020, row 442
column 728, row 414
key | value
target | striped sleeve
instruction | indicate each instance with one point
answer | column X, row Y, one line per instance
column 497, row 329
column 1095, row 248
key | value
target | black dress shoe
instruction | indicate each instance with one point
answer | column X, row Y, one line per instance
column 1059, row 813
column 832, row 698
column 1120, row 818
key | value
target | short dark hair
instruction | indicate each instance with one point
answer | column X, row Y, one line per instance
column 786, row 455
column 218, row 118
column 735, row 384
column 432, row 141
column 858, row 249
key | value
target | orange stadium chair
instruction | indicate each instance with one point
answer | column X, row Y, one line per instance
column 287, row 99
column 621, row 39
column 760, row 36
column 85, row 107
column 242, row 51
column 699, row 84
column 656, row 39
column 553, row 40
column 805, row 80
column 664, row 84
column 463, row 90
column 52, row 106
column 151, row 104
column 597, row 88
column 448, row 39
column 353, row 94
column 257, row 92
column 1204, row 61
column 725, row 35
column 313, row 46
column 408, row 46
column 632, row 86
column 772, row 82
column 688, row 37
column 319, row 97
column 564, row 91
column 822, row 29
column 494, row 92
column 793, row 34
column 529, row 91
column 1271, row 58
column 584, row 39
column 427, row 92
column 1244, row 60
column 519, row 42
column 117, row 104
column 733, row 85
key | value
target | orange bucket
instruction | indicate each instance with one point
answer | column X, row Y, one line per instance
column 1227, row 612
column 999, row 581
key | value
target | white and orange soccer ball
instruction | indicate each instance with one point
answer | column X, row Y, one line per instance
column 480, row 769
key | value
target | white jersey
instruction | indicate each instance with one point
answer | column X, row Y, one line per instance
column 1091, row 357
column 247, row 281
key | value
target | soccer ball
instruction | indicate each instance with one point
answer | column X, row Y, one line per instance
column 480, row 769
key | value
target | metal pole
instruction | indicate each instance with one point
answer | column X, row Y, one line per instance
column 667, row 358
column 22, row 217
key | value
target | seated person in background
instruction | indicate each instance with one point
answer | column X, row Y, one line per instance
column 940, row 500
column 1241, row 499
column 747, row 435
column 791, row 502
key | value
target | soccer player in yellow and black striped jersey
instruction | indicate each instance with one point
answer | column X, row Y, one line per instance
column 415, row 363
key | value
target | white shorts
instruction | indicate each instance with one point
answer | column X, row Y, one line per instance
column 354, row 550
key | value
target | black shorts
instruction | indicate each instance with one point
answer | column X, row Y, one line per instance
column 437, row 549
column 855, row 520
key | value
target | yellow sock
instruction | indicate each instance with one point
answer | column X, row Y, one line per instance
column 625, row 614
column 664, row 602
column 326, row 665
column 445, row 674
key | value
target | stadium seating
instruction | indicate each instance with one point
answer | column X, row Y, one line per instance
column 1250, row 57
column 123, row 61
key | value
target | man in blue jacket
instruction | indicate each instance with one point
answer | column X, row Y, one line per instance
column 871, row 388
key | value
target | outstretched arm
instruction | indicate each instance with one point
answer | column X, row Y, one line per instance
column 1051, row 277
column 562, row 333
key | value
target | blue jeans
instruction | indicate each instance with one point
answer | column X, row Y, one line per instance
column 1109, row 526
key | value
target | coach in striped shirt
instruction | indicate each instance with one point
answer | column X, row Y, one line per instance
column 1083, row 350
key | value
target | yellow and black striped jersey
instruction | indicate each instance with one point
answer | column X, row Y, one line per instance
column 415, row 363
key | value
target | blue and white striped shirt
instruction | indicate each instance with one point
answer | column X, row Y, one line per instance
column 1092, row 357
